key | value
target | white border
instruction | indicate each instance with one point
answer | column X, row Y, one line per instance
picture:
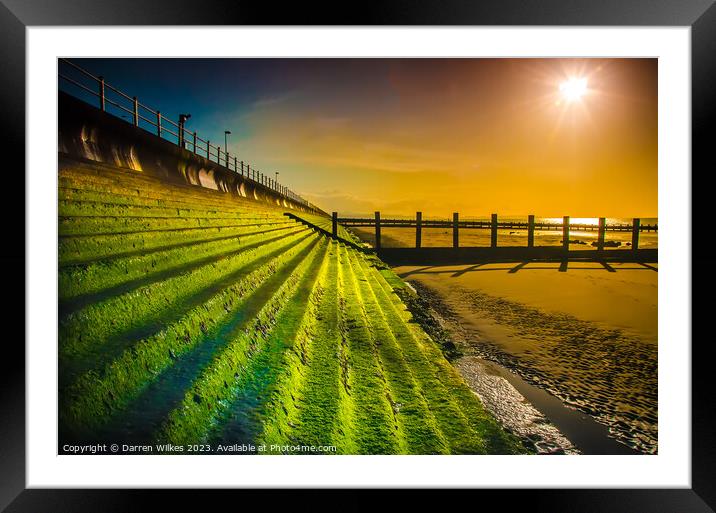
column 670, row 468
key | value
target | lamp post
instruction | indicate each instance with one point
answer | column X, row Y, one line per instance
column 226, row 149
column 182, row 120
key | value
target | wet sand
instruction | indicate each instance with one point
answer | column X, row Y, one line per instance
column 587, row 335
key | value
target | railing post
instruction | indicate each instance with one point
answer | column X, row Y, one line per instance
column 600, row 234
column 135, row 111
column 377, row 230
column 565, row 233
column 493, row 231
column 455, row 227
column 194, row 142
column 227, row 160
column 101, row 93
column 218, row 154
column 242, row 168
column 335, row 224
column 208, row 150
column 635, row 228
column 159, row 123
column 418, row 228
column 236, row 165
column 530, row 231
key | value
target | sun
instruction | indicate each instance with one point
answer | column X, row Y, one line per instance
column 573, row 89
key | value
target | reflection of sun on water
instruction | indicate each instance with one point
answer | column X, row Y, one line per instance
column 574, row 220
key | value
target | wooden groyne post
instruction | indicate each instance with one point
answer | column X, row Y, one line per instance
column 455, row 224
column 418, row 228
column 600, row 234
column 377, row 230
column 493, row 231
column 635, row 234
column 531, row 231
column 335, row 224
column 565, row 233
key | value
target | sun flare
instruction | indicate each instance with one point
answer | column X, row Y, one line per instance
column 573, row 89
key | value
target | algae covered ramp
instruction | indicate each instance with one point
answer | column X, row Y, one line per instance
column 210, row 322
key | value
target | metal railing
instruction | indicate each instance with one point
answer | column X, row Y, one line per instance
column 142, row 116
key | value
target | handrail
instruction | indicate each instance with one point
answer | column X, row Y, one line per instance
column 187, row 139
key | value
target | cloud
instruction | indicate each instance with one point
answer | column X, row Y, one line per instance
column 269, row 101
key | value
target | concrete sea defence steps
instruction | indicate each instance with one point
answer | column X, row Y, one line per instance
column 246, row 362
column 119, row 375
column 415, row 423
column 132, row 183
column 190, row 315
column 100, row 225
column 211, row 200
column 80, row 249
column 311, row 403
column 188, row 395
column 139, row 310
column 108, row 273
column 82, row 208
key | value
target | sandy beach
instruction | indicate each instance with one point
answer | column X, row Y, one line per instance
column 588, row 334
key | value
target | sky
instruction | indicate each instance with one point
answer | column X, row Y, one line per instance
column 475, row 136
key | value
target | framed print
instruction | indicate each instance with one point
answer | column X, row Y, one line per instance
column 292, row 253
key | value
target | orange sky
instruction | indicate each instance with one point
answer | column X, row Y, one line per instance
column 473, row 136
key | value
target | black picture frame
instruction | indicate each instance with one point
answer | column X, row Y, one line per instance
column 17, row 15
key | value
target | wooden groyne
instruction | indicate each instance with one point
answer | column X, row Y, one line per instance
column 565, row 227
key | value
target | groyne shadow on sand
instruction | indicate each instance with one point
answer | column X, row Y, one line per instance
column 528, row 266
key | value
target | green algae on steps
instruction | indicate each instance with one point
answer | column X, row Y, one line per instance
column 100, row 225
column 373, row 414
column 130, row 197
column 86, row 249
column 75, row 208
column 311, row 405
column 105, row 274
column 212, row 392
column 142, row 419
column 413, row 416
column 86, row 329
column 97, row 394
